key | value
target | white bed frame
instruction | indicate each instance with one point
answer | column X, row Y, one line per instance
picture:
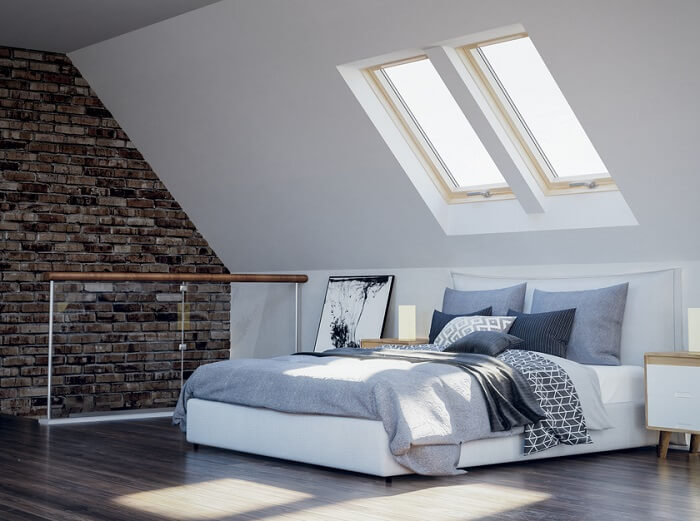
column 362, row 445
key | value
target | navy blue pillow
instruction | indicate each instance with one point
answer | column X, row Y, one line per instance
column 440, row 320
column 491, row 343
column 543, row 332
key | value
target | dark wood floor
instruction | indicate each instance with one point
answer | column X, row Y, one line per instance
column 142, row 470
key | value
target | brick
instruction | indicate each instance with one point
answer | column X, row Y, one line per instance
column 70, row 129
column 98, row 112
column 10, row 361
column 12, row 144
column 15, row 382
column 7, row 165
column 76, row 195
column 21, row 54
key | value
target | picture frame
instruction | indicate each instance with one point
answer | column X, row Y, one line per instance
column 355, row 307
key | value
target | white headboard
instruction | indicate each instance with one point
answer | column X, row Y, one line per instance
column 652, row 320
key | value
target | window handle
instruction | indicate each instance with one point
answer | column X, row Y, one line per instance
column 486, row 193
column 591, row 184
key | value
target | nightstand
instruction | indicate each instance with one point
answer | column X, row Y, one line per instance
column 369, row 343
column 673, row 396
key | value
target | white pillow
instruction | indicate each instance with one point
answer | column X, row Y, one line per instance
column 461, row 326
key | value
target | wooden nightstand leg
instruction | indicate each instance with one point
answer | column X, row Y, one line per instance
column 664, row 440
column 695, row 443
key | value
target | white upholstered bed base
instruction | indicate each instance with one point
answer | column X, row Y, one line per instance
column 363, row 446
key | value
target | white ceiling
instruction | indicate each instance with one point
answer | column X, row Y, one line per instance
column 67, row 25
column 240, row 110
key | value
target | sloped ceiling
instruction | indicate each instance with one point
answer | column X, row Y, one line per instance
column 240, row 110
column 67, row 25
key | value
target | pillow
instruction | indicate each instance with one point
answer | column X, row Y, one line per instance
column 544, row 332
column 440, row 320
column 595, row 337
column 491, row 343
column 461, row 326
column 456, row 302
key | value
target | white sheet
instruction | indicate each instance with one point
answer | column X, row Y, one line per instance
column 588, row 389
column 620, row 383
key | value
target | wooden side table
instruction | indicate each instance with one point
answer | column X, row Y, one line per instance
column 673, row 396
column 369, row 343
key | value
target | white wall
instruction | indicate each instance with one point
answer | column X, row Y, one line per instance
column 422, row 287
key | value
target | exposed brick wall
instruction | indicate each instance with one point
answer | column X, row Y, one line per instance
column 75, row 195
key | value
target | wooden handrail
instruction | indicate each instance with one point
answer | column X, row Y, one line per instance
column 80, row 276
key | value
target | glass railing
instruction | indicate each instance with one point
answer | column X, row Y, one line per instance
column 127, row 342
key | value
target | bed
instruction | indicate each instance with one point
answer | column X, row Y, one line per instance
column 362, row 445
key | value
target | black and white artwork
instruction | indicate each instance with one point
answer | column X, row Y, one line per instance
column 355, row 308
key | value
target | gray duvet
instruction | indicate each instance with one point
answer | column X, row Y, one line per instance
column 427, row 409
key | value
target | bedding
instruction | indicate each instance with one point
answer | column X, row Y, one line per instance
column 510, row 401
column 457, row 301
column 597, row 329
column 428, row 409
column 462, row 326
column 564, row 421
column 588, row 388
column 440, row 320
column 491, row 343
column 544, row 332
column 620, row 383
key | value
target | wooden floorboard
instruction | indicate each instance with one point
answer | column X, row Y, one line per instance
column 145, row 470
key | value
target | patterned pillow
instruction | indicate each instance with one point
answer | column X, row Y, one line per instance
column 441, row 319
column 544, row 332
column 461, row 326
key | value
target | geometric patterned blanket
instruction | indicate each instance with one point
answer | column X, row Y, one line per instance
column 564, row 422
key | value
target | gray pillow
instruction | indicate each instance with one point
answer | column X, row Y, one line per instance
column 456, row 302
column 595, row 336
column 491, row 343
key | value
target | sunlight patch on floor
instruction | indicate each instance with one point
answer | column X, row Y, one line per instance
column 469, row 501
column 222, row 498
column 210, row 499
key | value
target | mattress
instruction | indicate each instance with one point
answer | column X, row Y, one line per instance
column 620, row 383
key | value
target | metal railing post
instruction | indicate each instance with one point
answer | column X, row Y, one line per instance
column 297, row 327
column 50, row 361
column 182, row 346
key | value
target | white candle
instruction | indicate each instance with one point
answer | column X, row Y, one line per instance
column 407, row 322
column 694, row 329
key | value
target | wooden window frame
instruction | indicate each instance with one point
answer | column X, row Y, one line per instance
column 428, row 157
column 519, row 134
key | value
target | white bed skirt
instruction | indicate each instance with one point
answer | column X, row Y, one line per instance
column 363, row 446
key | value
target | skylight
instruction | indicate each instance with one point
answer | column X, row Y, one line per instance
column 519, row 84
column 480, row 118
column 488, row 119
column 443, row 125
column 438, row 130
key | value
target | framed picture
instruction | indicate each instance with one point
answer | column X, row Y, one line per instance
column 354, row 308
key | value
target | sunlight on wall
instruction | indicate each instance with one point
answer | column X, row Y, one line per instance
column 221, row 498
